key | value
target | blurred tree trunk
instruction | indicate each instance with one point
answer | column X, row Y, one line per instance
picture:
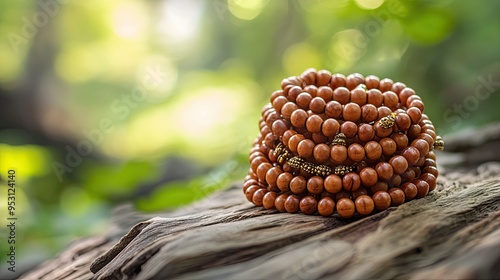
column 33, row 106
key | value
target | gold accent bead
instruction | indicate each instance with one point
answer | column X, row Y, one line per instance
column 439, row 144
column 339, row 139
column 388, row 121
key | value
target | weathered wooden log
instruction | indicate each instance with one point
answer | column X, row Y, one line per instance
column 453, row 233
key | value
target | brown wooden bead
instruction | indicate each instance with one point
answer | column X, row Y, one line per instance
column 283, row 181
column 353, row 80
column 313, row 123
column 379, row 186
column 403, row 121
column 305, row 148
column 298, row 118
column 250, row 191
column 351, row 112
column 360, row 191
column 401, row 140
column 338, row 153
column 399, row 164
column 262, row 170
column 333, row 183
column 303, row 100
column 368, row 176
column 309, row 76
column 269, row 140
column 384, row 170
column 369, row 113
column 342, row 194
column 381, row 131
column 276, row 94
column 388, row 146
column 287, row 110
column 410, row 191
column 258, row 196
column 404, row 94
column 372, row 81
column 385, row 84
column 351, row 181
column 396, row 180
column 317, row 105
column 349, row 128
column 255, row 155
column 364, row 205
column 408, row 175
column 279, row 102
column 413, row 131
column 356, row 152
column 312, row 90
column 256, row 162
column 326, row 206
column 249, row 182
column 397, row 196
column 315, row 185
column 279, row 127
column 298, row 184
column 422, row 188
column 375, row 97
column 397, row 87
column 359, row 96
column 271, row 117
column 292, row 204
column 417, row 104
column 287, row 134
column 373, row 150
column 430, row 179
column 308, row 205
column 321, row 153
column 319, row 138
column 421, row 145
column 431, row 155
column 326, row 93
column 366, row 132
column 391, row 100
column 293, row 93
column 415, row 115
column 382, row 200
column 411, row 154
column 279, row 203
column 294, row 142
column 416, row 170
column 333, row 109
column 345, row 208
column 323, row 78
column 272, row 175
column 383, row 111
column 342, row 95
column 268, row 200
column 338, row 80
column 330, row 127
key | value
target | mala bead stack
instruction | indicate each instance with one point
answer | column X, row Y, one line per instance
column 342, row 145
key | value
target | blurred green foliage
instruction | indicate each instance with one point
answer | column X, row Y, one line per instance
column 214, row 64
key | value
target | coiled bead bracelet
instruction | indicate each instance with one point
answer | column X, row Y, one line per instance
column 348, row 145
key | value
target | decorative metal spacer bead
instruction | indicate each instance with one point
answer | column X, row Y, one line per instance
column 339, row 139
column 389, row 121
column 341, row 170
column 439, row 143
column 322, row 170
column 296, row 162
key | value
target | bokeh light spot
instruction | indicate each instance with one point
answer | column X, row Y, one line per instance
column 246, row 9
column 369, row 4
